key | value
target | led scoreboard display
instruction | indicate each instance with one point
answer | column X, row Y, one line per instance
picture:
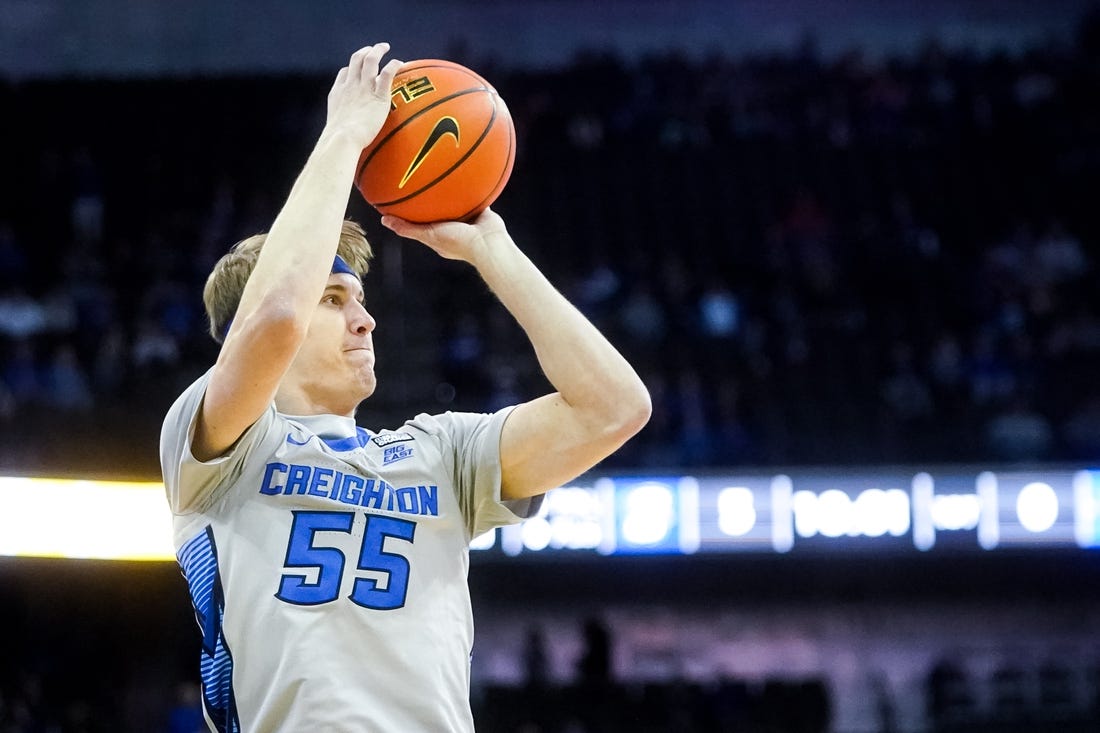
column 814, row 510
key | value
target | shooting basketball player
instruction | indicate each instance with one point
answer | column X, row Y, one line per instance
column 327, row 563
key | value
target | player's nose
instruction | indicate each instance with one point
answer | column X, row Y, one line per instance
column 361, row 321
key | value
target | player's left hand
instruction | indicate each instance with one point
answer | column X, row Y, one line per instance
column 359, row 100
column 454, row 240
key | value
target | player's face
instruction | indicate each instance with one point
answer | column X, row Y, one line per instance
column 335, row 364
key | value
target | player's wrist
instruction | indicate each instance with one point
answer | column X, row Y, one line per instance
column 341, row 139
column 495, row 253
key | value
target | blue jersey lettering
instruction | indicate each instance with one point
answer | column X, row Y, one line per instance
column 281, row 479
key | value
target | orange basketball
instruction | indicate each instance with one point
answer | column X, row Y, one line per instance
column 445, row 151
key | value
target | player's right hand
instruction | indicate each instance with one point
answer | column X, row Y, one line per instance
column 359, row 100
column 456, row 240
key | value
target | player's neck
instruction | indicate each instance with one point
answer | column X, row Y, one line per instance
column 291, row 401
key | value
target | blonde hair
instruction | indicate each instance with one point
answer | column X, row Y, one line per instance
column 224, row 286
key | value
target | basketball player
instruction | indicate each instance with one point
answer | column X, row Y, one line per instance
column 327, row 564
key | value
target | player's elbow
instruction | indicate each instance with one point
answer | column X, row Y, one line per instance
column 631, row 410
column 276, row 324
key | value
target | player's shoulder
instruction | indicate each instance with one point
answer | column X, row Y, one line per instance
column 458, row 428
column 184, row 407
column 194, row 390
column 440, row 425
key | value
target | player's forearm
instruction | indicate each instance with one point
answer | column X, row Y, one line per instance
column 587, row 371
column 297, row 256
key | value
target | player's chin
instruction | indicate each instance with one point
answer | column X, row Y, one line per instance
column 368, row 382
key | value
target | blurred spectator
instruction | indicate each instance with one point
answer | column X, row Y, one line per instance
column 733, row 439
column 66, row 384
column 1018, row 432
column 694, row 435
column 110, row 362
column 1059, row 256
column 13, row 260
column 153, row 349
column 989, row 374
column 535, row 662
column 905, row 391
column 946, row 365
column 21, row 316
column 719, row 311
column 950, row 697
column 88, row 203
column 1081, row 430
column 463, row 359
column 59, row 310
column 594, row 665
column 22, row 374
column 506, row 388
column 7, row 402
column 596, row 286
column 642, row 316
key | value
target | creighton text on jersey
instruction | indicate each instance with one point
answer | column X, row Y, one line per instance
column 348, row 488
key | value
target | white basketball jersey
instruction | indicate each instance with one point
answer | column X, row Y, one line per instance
column 328, row 566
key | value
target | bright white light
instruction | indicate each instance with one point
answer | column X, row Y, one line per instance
column 536, row 534
column 872, row 517
column 571, row 534
column 924, row 533
column 876, row 512
column 648, row 514
column 1084, row 516
column 873, row 513
column 989, row 528
column 897, row 512
column 834, row 513
column 736, row 513
column 687, row 491
column 110, row 520
column 484, row 541
column 956, row 511
column 573, row 500
column 782, row 510
column 604, row 490
column 575, row 517
column 1037, row 507
column 804, row 505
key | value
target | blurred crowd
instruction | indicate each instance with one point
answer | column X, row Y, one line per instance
column 152, row 689
column 810, row 260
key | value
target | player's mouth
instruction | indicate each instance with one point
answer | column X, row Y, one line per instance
column 361, row 353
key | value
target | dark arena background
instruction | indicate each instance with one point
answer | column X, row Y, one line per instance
column 849, row 245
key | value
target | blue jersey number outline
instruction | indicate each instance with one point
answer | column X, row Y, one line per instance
column 301, row 552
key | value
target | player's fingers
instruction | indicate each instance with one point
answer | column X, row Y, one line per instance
column 383, row 83
column 341, row 76
column 355, row 63
column 364, row 62
column 425, row 233
column 398, row 225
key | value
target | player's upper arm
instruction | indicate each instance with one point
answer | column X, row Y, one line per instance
column 546, row 442
column 190, row 483
column 243, row 382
